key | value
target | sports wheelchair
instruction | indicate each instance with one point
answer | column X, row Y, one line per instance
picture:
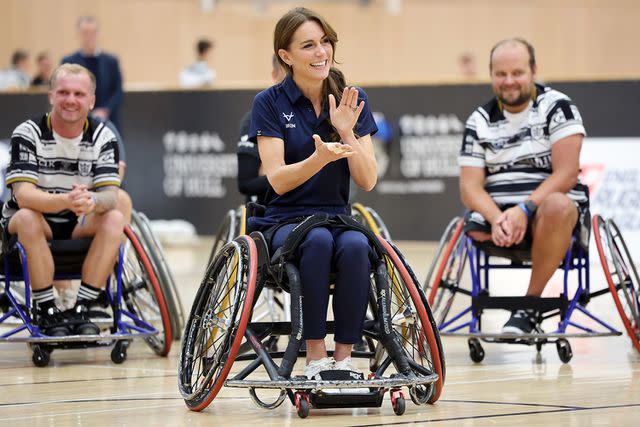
column 135, row 301
column 273, row 303
column 404, row 344
column 142, row 227
column 455, row 250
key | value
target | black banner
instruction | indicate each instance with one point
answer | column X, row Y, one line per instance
column 180, row 147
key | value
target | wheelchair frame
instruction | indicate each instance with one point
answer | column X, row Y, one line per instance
column 127, row 324
column 246, row 260
column 455, row 250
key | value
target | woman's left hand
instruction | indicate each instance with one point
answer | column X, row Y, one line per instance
column 345, row 115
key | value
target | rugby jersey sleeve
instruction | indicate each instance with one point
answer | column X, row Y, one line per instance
column 23, row 166
column 106, row 167
column 471, row 152
column 264, row 119
column 564, row 119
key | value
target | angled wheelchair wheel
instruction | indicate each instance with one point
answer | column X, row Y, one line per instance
column 232, row 226
column 450, row 266
column 142, row 294
column 370, row 218
column 414, row 324
column 154, row 249
column 437, row 258
column 217, row 323
column 621, row 275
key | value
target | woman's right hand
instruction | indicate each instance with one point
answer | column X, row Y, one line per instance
column 331, row 151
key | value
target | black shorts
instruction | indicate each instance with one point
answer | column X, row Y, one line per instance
column 473, row 221
column 61, row 227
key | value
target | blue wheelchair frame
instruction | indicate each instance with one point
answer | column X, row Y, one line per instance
column 126, row 325
column 479, row 259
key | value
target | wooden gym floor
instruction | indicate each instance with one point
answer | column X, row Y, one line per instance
column 600, row 386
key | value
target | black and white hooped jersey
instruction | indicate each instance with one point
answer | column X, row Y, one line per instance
column 54, row 164
column 515, row 149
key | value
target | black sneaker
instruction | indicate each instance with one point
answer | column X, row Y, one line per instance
column 520, row 322
column 82, row 324
column 53, row 322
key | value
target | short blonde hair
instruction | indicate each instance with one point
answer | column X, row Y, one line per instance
column 72, row 69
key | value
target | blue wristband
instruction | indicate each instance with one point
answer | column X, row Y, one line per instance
column 522, row 206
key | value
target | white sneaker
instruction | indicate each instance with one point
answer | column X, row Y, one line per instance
column 316, row 366
column 346, row 364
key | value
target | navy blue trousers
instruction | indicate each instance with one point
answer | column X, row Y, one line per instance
column 347, row 253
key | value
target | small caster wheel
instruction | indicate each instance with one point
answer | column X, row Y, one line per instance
column 398, row 402
column 421, row 394
column 119, row 352
column 41, row 356
column 539, row 346
column 476, row 352
column 302, row 404
column 564, row 350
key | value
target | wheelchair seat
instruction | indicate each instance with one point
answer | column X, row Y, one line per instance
column 68, row 256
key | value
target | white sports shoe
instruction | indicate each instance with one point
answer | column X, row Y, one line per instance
column 346, row 364
column 316, row 366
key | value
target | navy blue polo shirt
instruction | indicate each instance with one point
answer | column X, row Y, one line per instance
column 282, row 111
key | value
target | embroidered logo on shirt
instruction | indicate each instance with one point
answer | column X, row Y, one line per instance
column 288, row 117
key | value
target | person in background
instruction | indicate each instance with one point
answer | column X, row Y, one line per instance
column 199, row 73
column 104, row 66
column 44, row 66
column 17, row 75
column 251, row 179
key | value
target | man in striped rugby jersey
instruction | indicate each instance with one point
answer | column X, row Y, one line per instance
column 519, row 169
column 64, row 182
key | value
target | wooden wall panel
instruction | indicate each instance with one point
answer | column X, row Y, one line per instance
column 575, row 39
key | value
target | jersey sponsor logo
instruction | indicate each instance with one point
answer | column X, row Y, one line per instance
column 557, row 119
column 107, row 158
column 288, row 116
column 290, row 125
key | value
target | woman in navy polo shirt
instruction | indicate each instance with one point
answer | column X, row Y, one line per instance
column 297, row 124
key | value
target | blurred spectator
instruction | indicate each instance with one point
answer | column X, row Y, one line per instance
column 199, row 73
column 467, row 65
column 104, row 66
column 17, row 75
column 43, row 72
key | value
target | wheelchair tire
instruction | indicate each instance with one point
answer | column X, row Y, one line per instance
column 420, row 340
column 617, row 264
column 226, row 233
column 143, row 295
column 450, row 270
column 370, row 218
column 40, row 357
column 217, row 322
column 163, row 273
column 444, row 240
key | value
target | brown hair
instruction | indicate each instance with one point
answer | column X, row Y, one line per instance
column 287, row 25
column 73, row 69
